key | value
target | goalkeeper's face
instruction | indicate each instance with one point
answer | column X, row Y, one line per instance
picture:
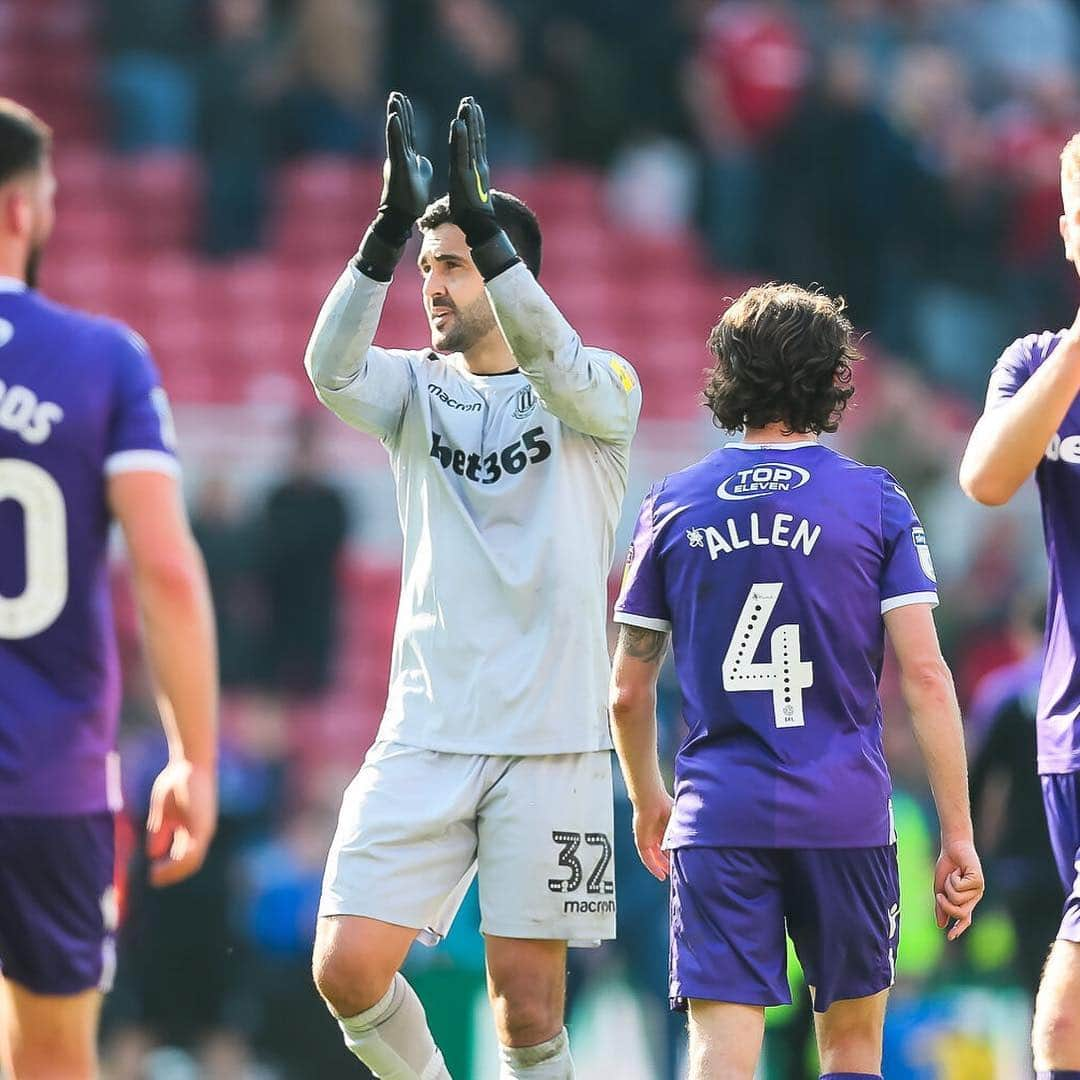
column 457, row 307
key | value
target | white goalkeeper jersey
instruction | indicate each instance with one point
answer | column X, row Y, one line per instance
column 509, row 489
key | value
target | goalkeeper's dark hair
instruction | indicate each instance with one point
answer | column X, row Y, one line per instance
column 783, row 355
column 25, row 140
column 514, row 218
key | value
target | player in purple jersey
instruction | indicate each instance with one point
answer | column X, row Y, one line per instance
column 85, row 437
column 777, row 566
column 1031, row 424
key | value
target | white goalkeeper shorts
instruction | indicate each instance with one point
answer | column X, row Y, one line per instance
column 416, row 826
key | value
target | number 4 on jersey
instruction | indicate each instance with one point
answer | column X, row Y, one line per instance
column 786, row 674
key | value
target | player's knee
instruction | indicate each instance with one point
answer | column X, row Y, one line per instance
column 45, row 1059
column 53, row 1038
column 711, row 1055
column 1055, row 1035
column 526, row 1014
column 348, row 982
column 851, row 1038
column 840, row 1048
column 1055, row 1032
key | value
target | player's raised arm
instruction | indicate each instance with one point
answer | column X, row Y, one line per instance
column 592, row 391
column 1033, row 384
column 1024, row 408
column 368, row 387
column 174, row 602
column 928, row 690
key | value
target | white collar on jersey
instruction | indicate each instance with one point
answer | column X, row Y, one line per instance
column 10, row 284
column 770, row 445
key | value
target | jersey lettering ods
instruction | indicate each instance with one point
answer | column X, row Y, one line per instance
column 79, row 401
column 1058, row 480
column 772, row 566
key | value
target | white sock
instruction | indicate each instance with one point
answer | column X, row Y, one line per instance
column 392, row 1037
column 549, row 1061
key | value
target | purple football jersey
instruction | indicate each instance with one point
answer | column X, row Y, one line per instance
column 1058, row 480
column 79, row 401
column 772, row 565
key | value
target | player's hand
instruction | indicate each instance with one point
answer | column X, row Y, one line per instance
column 471, row 207
column 958, row 886
column 181, row 822
column 406, row 174
column 470, row 179
column 651, row 818
column 405, row 194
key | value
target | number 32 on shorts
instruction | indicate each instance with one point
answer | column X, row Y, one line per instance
column 570, row 843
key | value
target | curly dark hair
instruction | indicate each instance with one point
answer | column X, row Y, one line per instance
column 783, row 355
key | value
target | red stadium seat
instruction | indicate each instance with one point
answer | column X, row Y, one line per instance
column 104, row 228
column 321, row 235
column 173, row 278
column 327, row 186
column 568, row 192
column 84, row 172
column 236, row 331
column 163, row 195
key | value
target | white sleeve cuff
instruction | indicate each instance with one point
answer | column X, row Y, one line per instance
column 142, row 461
column 360, row 278
column 930, row 598
column 643, row 620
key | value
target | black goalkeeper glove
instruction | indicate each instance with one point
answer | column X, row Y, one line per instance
column 405, row 194
column 471, row 209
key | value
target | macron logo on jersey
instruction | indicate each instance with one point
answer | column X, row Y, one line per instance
column 446, row 399
column 762, row 480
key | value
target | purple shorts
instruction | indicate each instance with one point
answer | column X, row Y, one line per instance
column 728, row 912
column 1061, row 798
column 57, row 902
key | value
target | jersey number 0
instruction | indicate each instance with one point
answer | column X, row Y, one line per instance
column 45, row 526
column 786, row 674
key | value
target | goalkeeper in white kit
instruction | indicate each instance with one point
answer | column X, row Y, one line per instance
column 509, row 443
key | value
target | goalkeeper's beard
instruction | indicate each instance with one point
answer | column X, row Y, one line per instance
column 467, row 327
column 33, row 265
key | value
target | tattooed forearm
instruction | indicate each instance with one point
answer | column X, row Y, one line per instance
column 642, row 643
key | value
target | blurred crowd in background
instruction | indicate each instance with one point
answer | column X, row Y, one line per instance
column 903, row 153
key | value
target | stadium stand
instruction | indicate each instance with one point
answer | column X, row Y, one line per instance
column 230, row 332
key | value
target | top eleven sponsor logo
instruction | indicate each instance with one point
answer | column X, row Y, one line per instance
column 761, row 480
